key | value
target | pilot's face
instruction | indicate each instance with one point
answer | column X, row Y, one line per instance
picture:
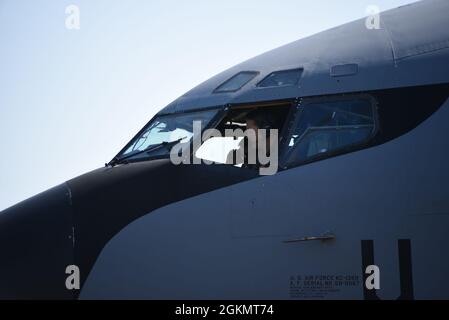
column 251, row 125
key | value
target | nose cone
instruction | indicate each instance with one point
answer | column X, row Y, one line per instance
column 36, row 246
column 71, row 223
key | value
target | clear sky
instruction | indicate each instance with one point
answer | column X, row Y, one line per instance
column 71, row 99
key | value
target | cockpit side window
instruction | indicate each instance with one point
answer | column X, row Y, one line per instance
column 325, row 127
column 235, row 135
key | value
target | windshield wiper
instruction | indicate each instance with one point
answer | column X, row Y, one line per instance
column 166, row 144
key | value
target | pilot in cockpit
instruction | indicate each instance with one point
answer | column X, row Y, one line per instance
column 247, row 152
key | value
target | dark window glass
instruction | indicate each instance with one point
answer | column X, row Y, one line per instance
column 236, row 82
column 281, row 78
column 326, row 127
column 403, row 109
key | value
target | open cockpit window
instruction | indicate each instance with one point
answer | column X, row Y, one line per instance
column 248, row 136
column 236, row 82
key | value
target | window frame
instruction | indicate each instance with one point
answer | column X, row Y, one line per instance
column 286, row 161
column 290, row 103
column 284, row 133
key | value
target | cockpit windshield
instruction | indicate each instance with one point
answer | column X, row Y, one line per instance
column 166, row 130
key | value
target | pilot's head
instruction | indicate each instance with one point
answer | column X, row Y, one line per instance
column 259, row 119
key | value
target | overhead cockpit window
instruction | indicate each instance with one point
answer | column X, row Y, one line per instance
column 236, row 82
column 281, row 78
column 323, row 128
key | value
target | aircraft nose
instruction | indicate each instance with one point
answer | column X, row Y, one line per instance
column 36, row 246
